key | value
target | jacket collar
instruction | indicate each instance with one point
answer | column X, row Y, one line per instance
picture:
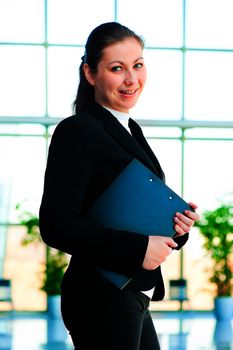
column 137, row 145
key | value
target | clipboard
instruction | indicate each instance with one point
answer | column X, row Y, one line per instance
column 137, row 201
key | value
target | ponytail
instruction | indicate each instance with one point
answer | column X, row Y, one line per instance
column 85, row 92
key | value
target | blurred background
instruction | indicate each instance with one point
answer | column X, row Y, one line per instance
column 186, row 112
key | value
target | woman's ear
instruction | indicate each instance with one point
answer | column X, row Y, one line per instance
column 88, row 74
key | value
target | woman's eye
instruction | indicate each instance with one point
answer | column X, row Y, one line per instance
column 138, row 65
column 116, row 69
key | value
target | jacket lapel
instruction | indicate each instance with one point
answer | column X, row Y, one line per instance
column 135, row 144
column 122, row 136
column 137, row 133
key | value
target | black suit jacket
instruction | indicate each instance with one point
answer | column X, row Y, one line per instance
column 87, row 152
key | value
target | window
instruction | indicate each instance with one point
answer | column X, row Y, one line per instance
column 186, row 111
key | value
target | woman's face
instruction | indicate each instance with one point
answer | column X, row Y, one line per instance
column 120, row 77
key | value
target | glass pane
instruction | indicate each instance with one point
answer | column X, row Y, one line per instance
column 51, row 130
column 22, row 21
column 22, row 174
column 22, row 82
column 209, row 86
column 208, row 178
column 150, row 132
column 208, row 171
column 168, row 153
column 196, row 266
column 63, row 76
column 3, row 237
column 162, row 96
column 209, row 133
column 209, row 24
column 22, row 129
column 70, row 21
column 171, row 271
column 23, row 267
column 159, row 22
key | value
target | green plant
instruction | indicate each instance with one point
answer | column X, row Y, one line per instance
column 217, row 229
column 56, row 263
column 56, row 260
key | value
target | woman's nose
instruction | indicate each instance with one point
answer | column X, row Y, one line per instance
column 130, row 78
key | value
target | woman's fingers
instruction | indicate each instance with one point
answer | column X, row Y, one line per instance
column 158, row 249
column 185, row 221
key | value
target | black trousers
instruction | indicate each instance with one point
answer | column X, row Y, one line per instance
column 113, row 320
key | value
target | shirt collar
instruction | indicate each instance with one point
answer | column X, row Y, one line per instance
column 122, row 117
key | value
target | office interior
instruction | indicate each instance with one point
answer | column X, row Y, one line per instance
column 186, row 113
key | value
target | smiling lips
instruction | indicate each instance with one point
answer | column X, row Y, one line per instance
column 128, row 92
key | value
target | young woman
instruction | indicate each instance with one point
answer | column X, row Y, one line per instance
column 87, row 152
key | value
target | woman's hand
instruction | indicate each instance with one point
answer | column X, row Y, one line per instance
column 158, row 249
column 185, row 221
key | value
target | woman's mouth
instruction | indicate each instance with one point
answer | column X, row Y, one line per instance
column 128, row 92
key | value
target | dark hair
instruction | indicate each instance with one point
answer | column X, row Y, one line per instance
column 102, row 36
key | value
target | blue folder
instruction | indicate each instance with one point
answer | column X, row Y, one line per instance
column 137, row 201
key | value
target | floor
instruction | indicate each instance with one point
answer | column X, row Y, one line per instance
column 177, row 331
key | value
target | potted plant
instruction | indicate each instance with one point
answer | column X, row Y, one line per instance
column 54, row 266
column 217, row 229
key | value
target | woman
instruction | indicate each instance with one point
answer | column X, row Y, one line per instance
column 87, row 152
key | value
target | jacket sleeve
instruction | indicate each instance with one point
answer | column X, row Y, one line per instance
column 69, row 171
column 181, row 240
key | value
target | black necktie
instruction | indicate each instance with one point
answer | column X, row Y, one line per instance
column 137, row 133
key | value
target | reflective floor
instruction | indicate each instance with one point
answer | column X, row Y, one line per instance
column 177, row 331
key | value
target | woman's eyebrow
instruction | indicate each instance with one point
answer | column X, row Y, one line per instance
column 121, row 62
